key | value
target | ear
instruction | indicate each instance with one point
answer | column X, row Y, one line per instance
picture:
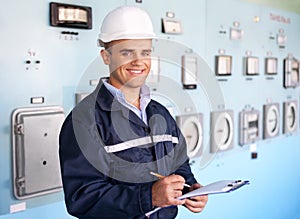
column 105, row 56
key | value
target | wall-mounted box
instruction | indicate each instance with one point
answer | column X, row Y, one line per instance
column 70, row 15
column 251, row 65
column 171, row 26
column 189, row 71
column 223, row 65
column 271, row 64
column 249, row 126
column 291, row 72
column 35, row 133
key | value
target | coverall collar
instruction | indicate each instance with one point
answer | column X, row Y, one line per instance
column 107, row 102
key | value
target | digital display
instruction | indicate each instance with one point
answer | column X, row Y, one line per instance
column 73, row 16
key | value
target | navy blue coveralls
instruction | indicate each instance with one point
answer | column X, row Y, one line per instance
column 106, row 155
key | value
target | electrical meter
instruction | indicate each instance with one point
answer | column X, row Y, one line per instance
column 189, row 68
column 222, row 130
column 249, row 126
column 171, row 26
column 291, row 72
column 271, row 120
column 191, row 128
column 236, row 33
column 69, row 15
column 223, row 65
column 251, row 65
column 290, row 116
column 281, row 40
column 271, row 66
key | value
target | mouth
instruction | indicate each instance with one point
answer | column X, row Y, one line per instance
column 135, row 71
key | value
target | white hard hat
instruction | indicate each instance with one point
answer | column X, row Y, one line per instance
column 126, row 22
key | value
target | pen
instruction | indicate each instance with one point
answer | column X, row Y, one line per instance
column 161, row 176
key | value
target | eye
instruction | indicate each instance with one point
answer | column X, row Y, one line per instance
column 146, row 53
column 127, row 53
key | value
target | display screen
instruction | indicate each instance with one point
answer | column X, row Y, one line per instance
column 72, row 14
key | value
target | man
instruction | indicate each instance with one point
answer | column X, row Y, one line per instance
column 115, row 137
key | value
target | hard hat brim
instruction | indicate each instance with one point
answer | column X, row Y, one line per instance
column 102, row 39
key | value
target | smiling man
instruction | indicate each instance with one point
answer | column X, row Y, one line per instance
column 116, row 136
column 129, row 64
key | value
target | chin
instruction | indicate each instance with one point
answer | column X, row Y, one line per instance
column 137, row 81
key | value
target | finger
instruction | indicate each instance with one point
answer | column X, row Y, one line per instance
column 178, row 202
column 194, row 206
column 195, row 186
column 177, row 186
column 194, row 203
column 177, row 193
column 175, row 178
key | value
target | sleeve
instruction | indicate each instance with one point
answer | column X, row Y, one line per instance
column 90, row 193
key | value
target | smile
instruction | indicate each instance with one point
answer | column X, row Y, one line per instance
column 135, row 71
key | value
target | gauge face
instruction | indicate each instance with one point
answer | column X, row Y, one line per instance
column 222, row 131
column 191, row 128
column 191, row 133
column 271, row 120
column 290, row 116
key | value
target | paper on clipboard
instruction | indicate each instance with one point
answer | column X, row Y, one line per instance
column 216, row 187
column 222, row 186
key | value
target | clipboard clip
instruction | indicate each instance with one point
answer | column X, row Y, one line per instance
column 237, row 184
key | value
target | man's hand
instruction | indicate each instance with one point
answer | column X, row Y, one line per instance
column 197, row 203
column 166, row 190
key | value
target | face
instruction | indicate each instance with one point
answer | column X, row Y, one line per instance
column 129, row 62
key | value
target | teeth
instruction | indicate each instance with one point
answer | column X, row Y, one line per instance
column 136, row 71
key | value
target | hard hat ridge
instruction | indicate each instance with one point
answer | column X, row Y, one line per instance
column 126, row 22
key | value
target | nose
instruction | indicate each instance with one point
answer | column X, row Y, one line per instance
column 137, row 59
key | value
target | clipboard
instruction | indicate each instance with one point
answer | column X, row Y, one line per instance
column 223, row 186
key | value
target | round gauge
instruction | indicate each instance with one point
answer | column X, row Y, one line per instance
column 290, row 116
column 272, row 121
column 192, row 131
column 223, row 131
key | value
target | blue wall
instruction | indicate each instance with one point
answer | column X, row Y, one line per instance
column 67, row 66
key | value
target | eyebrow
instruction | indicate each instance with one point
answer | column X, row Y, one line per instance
column 132, row 50
column 126, row 50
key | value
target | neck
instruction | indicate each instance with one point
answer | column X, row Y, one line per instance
column 132, row 95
